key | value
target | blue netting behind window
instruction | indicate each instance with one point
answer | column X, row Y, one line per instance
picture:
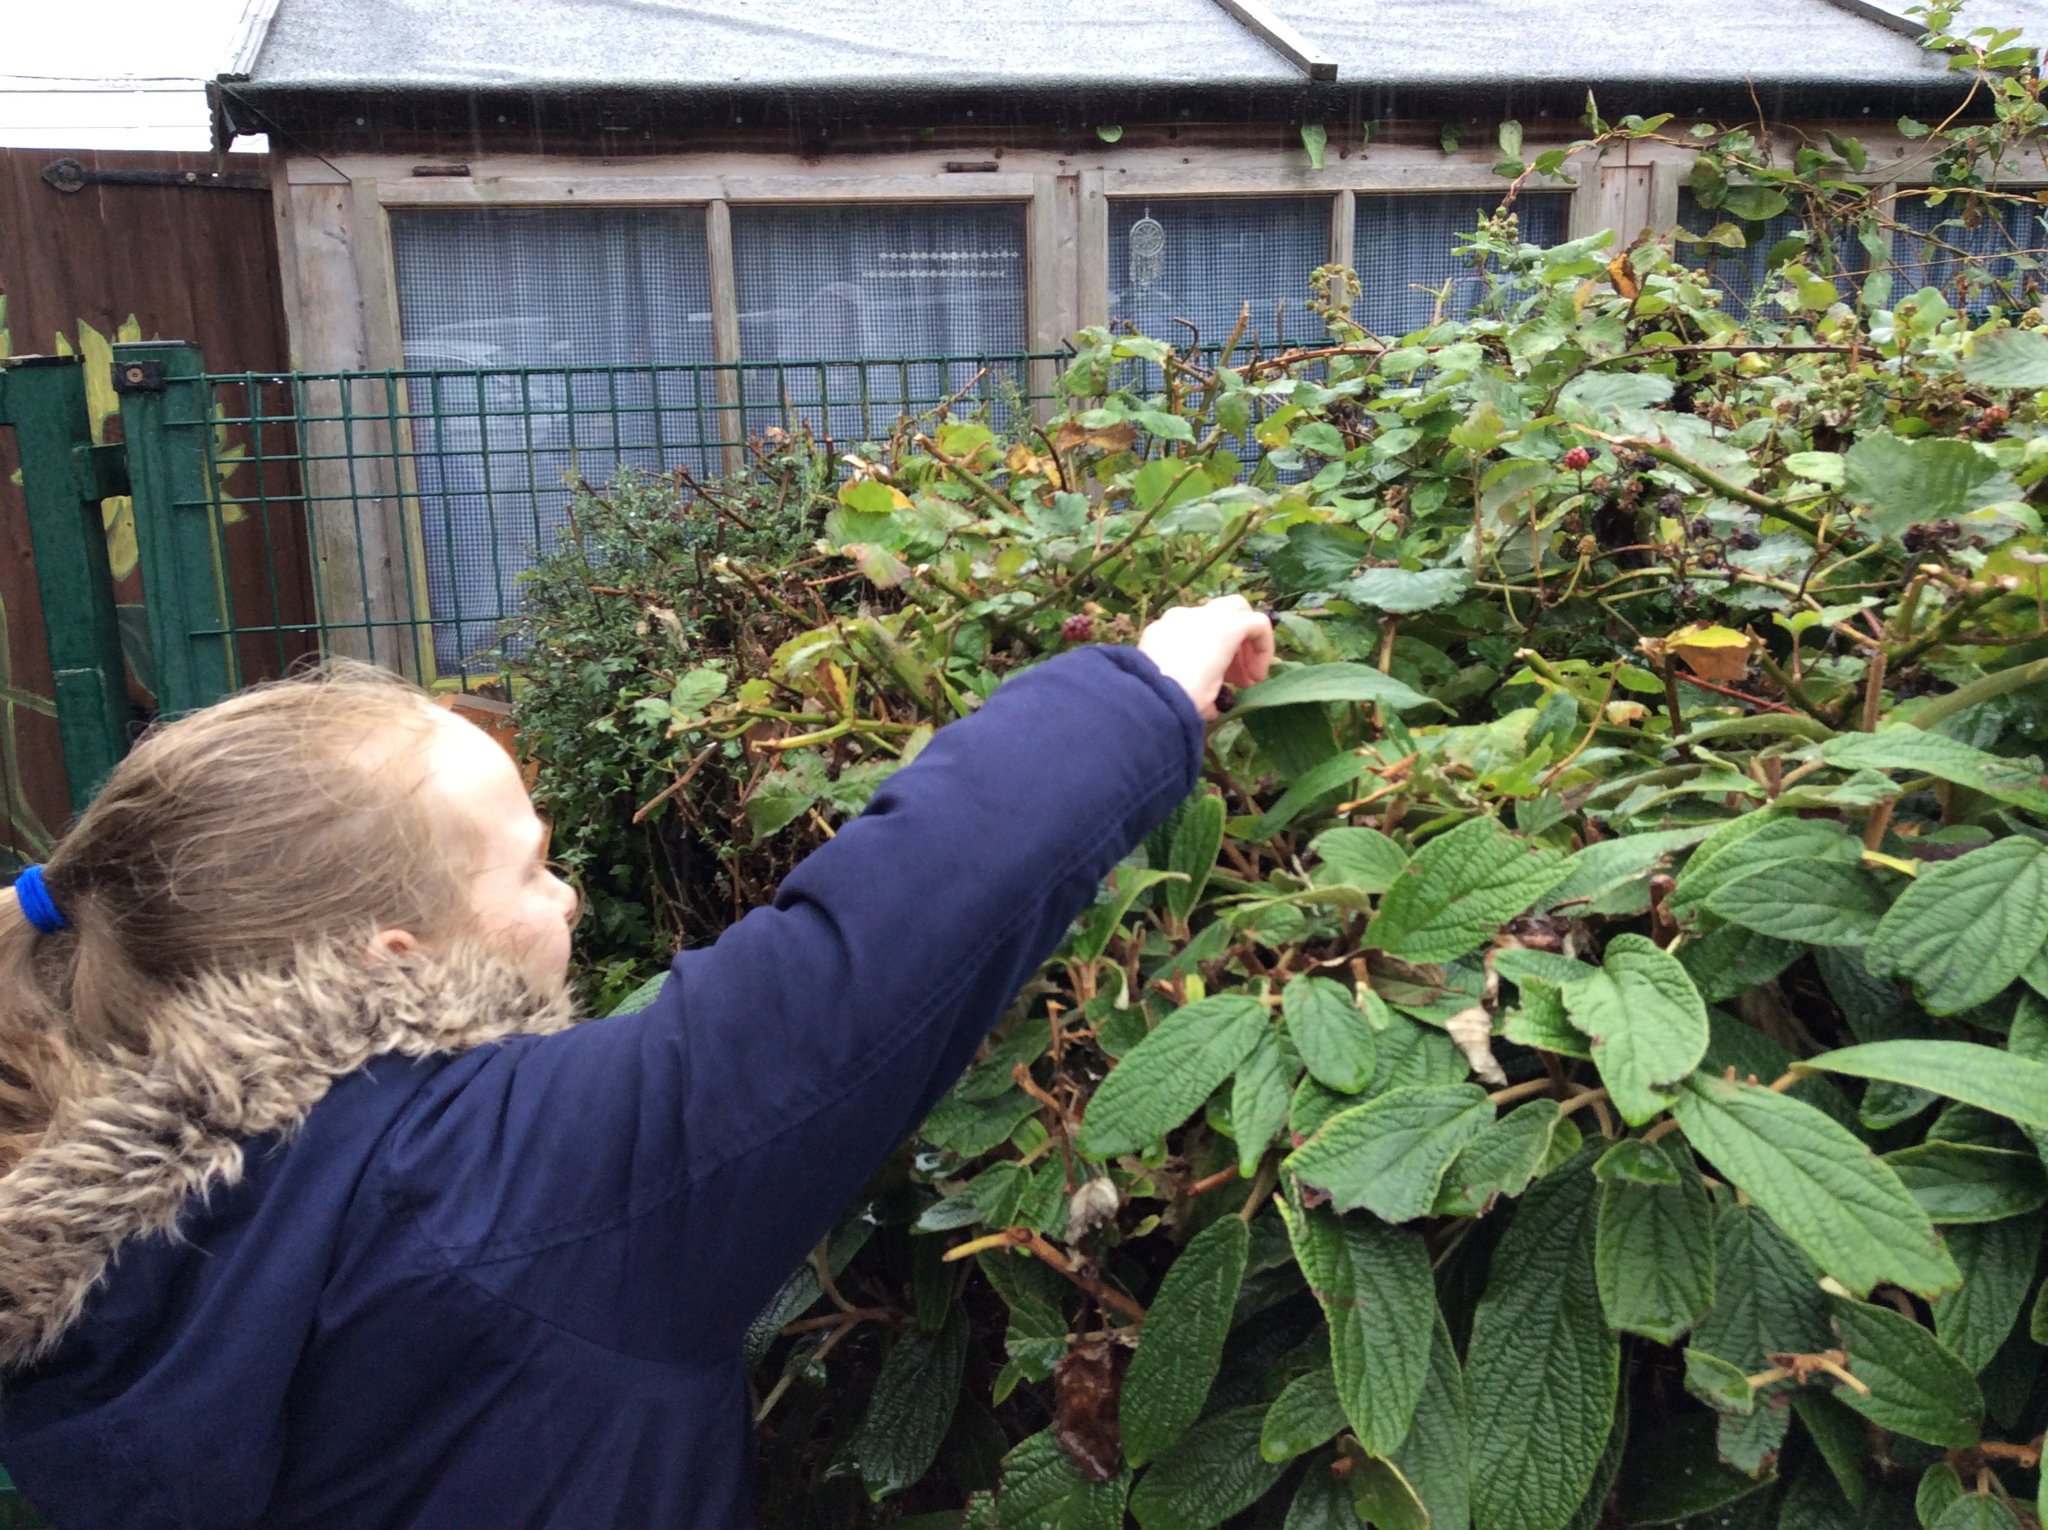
column 822, row 287
column 1939, row 247
column 1743, row 275
column 555, row 290
column 1403, row 248
column 1203, row 259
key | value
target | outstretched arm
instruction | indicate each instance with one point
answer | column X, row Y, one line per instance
column 649, row 1179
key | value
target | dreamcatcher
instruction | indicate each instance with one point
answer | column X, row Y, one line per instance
column 1148, row 252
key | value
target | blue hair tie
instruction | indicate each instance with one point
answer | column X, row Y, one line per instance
column 36, row 904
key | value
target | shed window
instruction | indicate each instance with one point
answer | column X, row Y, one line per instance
column 579, row 335
column 1404, row 252
column 1932, row 243
column 823, row 290
column 1743, row 275
column 1203, row 259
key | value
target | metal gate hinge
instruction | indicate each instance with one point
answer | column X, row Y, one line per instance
column 68, row 175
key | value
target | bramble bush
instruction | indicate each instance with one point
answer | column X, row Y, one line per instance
column 1581, row 1058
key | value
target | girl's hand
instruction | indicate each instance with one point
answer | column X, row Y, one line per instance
column 1204, row 648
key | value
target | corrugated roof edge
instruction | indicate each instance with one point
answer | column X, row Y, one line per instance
column 1905, row 26
column 329, row 113
column 251, row 32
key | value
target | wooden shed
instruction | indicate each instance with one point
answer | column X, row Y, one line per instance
column 772, row 190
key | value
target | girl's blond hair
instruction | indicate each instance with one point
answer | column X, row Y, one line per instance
column 294, row 816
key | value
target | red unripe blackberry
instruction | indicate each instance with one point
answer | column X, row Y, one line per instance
column 1078, row 629
column 1578, row 459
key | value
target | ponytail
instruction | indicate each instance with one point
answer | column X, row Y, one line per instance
column 291, row 817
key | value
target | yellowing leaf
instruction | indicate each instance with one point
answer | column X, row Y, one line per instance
column 1711, row 652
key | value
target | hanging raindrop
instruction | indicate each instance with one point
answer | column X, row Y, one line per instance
column 1148, row 252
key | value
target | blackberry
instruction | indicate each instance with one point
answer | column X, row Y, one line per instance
column 1078, row 629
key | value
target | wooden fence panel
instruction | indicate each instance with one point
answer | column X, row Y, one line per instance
column 79, row 269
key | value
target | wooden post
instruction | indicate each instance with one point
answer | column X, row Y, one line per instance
column 725, row 331
column 355, row 517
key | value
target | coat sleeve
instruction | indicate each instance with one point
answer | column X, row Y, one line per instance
column 648, row 1180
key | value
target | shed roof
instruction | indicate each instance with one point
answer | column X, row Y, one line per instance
column 1058, row 54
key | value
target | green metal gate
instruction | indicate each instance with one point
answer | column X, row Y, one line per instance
column 383, row 515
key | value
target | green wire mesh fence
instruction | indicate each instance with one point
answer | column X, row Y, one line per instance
column 387, row 515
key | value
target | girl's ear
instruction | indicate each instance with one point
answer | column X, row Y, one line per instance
column 393, row 943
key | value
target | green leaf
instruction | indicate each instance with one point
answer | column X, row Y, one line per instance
column 1604, row 392
column 1314, row 138
column 1402, row 590
column 1592, row 1509
column 1977, row 1511
column 1598, row 870
column 1258, row 1100
column 1969, row 926
column 1044, row 1490
column 1998, row 1261
column 1167, row 427
column 1362, row 858
column 1939, row 1487
column 1752, row 843
column 1917, row 1388
column 1195, row 843
column 1182, row 1344
column 1908, row 481
column 1500, row 1161
column 1330, row 1031
column 642, row 996
column 1542, row 1365
column 1373, row 1283
column 1840, row 1437
column 2008, row 358
column 1817, row 467
column 1165, row 1078
column 1723, row 1387
column 1987, row 1077
column 1732, row 960
column 1382, row 1495
column 1960, row 1183
column 1037, row 1335
column 1654, row 1254
column 1389, row 1154
column 1461, row 887
column 1436, row 1458
column 1823, row 1187
column 1823, row 903
column 1306, row 1414
column 1754, row 203
column 1329, row 682
column 1099, row 925
column 1215, row 1471
column 1904, row 748
column 1637, row 1161
column 898, row 1437
column 1648, row 1025
column 1322, row 1502
column 1767, row 1295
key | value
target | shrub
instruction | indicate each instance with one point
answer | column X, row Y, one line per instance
column 1582, row 1055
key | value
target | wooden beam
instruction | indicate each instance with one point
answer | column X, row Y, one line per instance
column 725, row 330
column 1256, row 18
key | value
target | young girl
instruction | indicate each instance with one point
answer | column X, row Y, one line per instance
column 316, row 1211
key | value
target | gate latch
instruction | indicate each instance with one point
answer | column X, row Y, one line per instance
column 138, row 377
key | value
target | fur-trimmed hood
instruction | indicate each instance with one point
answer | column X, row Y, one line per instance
column 235, row 1058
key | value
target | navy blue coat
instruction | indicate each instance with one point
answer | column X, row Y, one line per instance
column 509, row 1288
